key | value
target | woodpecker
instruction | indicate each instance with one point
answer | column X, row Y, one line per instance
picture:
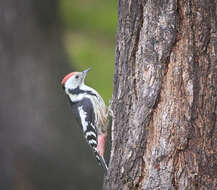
column 90, row 111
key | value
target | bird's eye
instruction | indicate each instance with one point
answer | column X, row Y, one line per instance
column 76, row 76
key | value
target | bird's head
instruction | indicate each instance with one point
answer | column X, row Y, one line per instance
column 74, row 80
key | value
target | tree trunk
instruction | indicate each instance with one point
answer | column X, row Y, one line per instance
column 164, row 132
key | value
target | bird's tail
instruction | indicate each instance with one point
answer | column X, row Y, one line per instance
column 101, row 161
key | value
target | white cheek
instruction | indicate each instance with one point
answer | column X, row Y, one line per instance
column 70, row 84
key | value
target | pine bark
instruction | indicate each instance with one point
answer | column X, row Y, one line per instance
column 164, row 133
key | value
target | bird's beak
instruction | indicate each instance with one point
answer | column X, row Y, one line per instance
column 84, row 73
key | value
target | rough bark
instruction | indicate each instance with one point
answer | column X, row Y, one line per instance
column 164, row 132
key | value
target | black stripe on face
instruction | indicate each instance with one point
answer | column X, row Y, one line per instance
column 77, row 91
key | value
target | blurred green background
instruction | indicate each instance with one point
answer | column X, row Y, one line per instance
column 41, row 146
column 89, row 39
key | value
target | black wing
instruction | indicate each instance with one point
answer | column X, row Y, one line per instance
column 85, row 116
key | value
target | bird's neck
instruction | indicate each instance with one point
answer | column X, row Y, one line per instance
column 77, row 94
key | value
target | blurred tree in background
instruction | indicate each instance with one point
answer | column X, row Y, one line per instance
column 40, row 145
column 89, row 38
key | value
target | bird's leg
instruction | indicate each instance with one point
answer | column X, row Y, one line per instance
column 110, row 112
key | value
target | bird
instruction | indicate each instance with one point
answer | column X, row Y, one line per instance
column 90, row 112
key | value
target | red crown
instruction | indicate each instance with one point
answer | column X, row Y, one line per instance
column 67, row 77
